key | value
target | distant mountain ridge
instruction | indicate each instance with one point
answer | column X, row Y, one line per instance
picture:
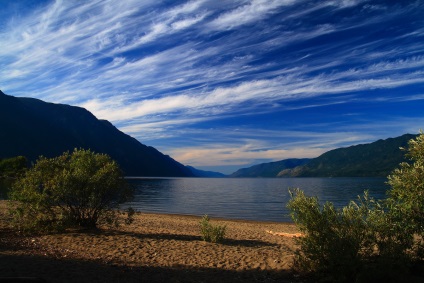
column 376, row 159
column 205, row 174
column 269, row 170
column 32, row 127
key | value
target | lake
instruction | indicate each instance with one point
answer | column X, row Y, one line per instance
column 262, row 199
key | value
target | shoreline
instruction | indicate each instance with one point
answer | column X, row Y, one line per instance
column 213, row 218
column 155, row 248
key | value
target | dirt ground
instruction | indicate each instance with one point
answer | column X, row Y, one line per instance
column 155, row 248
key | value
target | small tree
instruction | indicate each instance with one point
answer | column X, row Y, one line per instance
column 80, row 188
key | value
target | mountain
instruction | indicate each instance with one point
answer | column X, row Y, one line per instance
column 31, row 127
column 377, row 159
column 270, row 169
column 205, row 174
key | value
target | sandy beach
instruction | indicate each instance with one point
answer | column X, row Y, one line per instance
column 155, row 248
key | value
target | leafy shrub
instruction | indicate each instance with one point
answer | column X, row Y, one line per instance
column 211, row 233
column 13, row 167
column 406, row 196
column 333, row 237
column 75, row 189
column 368, row 240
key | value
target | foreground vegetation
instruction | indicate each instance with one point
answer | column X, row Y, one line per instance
column 369, row 240
column 11, row 168
column 211, row 233
column 81, row 188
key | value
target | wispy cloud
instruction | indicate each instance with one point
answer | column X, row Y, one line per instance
column 158, row 71
column 256, row 149
column 169, row 22
column 280, row 89
column 251, row 12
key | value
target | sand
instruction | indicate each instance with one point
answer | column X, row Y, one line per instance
column 155, row 248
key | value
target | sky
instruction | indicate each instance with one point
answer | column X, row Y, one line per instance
column 220, row 84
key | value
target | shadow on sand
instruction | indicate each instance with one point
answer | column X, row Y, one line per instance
column 71, row 270
column 17, row 263
column 180, row 237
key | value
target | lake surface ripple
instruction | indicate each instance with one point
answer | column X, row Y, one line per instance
column 262, row 199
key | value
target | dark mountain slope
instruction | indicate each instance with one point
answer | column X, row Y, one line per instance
column 205, row 174
column 270, row 169
column 379, row 158
column 31, row 127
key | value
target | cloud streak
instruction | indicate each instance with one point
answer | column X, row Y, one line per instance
column 245, row 14
column 167, row 70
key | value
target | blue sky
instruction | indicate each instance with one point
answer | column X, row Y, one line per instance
column 225, row 84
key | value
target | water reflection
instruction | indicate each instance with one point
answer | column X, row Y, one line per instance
column 254, row 199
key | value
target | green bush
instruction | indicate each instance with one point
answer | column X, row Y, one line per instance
column 368, row 240
column 12, row 167
column 406, row 196
column 75, row 189
column 333, row 238
column 211, row 233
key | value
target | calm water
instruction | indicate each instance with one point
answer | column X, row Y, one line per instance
column 251, row 199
